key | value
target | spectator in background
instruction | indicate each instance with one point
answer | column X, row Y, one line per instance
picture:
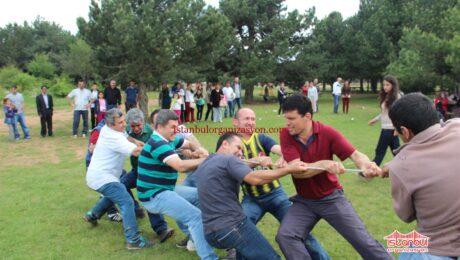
column 336, row 93
column 441, row 103
column 318, row 90
column 388, row 137
column 208, row 100
column 281, row 97
column 199, row 98
column 100, row 107
column 237, row 89
column 164, row 98
column 313, row 96
column 267, row 91
column 176, row 106
column 346, row 94
column 10, row 120
column 189, row 104
column 18, row 102
column 81, row 102
column 230, row 96
column 45, row 106
column 216, row 96
column 94, row 96
column 305, row 87
column 131, row 92
column 112, row 95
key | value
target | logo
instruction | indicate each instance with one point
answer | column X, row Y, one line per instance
column 412, row 242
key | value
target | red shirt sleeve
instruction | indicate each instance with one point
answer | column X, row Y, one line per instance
column 94, row 136
column 288, row 146
column 339, row 145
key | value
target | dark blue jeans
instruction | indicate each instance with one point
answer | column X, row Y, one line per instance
column 386, row 139
column 76, row 121
column 336, row 103
column 21, row 120
column 157, row 221
column 237, row 102
column 190, row 180
column 246, row 239
column 277, row 203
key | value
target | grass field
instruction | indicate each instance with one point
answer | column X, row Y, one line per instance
column 43, row 193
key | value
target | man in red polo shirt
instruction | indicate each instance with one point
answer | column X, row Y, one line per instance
column 319, row 193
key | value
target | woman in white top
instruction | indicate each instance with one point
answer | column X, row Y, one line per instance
column 189, row 104
column 313, row 96
column 388, row 136
column 176, row 105
column 94, row 96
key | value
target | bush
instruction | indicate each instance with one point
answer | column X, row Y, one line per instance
column 11, row 75
column 40, row 66
column 61, row 86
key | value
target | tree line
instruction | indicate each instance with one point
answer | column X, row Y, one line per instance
column 154, row 41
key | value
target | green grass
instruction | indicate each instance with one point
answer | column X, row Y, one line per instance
column 43, row 193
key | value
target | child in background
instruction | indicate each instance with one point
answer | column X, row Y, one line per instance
column 10, row 112
column 101, row 106
column 176, row 106
column 199, row 98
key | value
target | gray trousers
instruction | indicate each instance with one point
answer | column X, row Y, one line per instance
column 303, row 215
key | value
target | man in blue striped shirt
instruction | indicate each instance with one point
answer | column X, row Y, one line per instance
column 158, row 169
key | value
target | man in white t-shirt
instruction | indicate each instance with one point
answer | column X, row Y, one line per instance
column 104, row 172
column 336, row 93
column 81, row 102
column 228, row 92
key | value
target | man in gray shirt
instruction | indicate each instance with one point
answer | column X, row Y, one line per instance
column 219, row 178
column 18, row 102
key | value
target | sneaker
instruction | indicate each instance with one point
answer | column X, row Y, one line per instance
column 75, row 136
column 231, row 254
column 182, row 243
column 165, row 234
column 139, row 212
column 115, row 217
column 89, row 217
column 27, row 138
column 191, row 245
column 83, row 136
column 139, row 244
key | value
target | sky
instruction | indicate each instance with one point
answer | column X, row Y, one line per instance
column 65, row 12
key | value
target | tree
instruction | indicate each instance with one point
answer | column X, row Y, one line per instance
column 78, row 61
column 40, row 66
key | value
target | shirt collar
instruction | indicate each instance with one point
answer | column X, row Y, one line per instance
column 158, row 134
column 422, row 136
column 312, row 138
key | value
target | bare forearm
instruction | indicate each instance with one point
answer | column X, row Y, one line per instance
column 265, row 176
column 189, row 165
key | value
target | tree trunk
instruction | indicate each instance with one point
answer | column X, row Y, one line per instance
column 324, row 86
column 361, row 85
column 248, row 93
column 374, row 85
column 144, row 101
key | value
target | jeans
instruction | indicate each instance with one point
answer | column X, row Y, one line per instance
column 386, row 139
column 157, row 221
column 116, row 192
column 230, row 109
column 246, row 239
column 303, row 215
column 277, row 203
column 171, row 203
column 190, row 180
column 425, row 256
column 21, row 119
column 237, row 101
column 216, row 114
column 209, row 110
column 110, row 106
column 76, row 121
column 336, row 103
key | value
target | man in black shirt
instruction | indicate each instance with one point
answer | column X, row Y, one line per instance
column 112, row 95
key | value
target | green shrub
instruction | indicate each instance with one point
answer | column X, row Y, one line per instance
column 61, row 86
column 11, row 75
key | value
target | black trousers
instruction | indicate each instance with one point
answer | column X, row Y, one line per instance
column 93, row 117
column 46, row 121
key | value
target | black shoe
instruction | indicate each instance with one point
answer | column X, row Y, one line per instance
column 115, row 217
column 89, row 217
column 231, row 254
column 139, row 212
column 165, row 234
column 183, row 243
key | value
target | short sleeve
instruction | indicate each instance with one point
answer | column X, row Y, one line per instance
column 94, row 136
column 71, row 94
column 339, row 145
column 163, row 151
column 237, row 169
column 123, row 146
column 288, row 147
column 267, row 143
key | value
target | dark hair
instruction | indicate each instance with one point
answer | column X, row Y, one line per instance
column 392, row 96
column 298, row 102
column 152, row 115
column 43, row 86
column 164, row 116
column 80, row 80
column 14, row 86
column 413, row 111
column 227, row 136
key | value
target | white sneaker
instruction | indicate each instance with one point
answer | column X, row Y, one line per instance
column 83, row 136
column 191, row 246
column 75, row 136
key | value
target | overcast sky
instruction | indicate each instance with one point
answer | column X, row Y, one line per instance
column 65, row 12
